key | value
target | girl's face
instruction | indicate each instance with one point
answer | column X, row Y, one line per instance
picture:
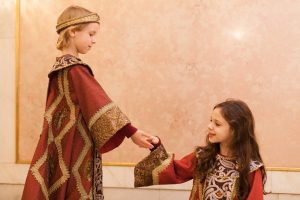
column 84, row 39
column 219, row 130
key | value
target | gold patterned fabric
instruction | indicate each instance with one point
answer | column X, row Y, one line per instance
column 67, row 61
column 155, row 162
column 107, row 124
column 221, row 183
column 93, row 17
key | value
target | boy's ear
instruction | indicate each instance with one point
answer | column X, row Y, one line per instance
column 71, row 32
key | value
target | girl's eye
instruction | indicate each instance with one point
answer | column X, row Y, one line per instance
column 217, row 124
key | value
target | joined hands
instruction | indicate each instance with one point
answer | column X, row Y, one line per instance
column 144, row 140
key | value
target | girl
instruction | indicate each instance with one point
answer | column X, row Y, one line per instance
column 81, row 121
column 228, row 167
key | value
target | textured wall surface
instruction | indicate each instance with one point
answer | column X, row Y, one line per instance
column 166, row 63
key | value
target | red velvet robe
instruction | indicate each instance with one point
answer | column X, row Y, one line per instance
column 80, row 123
column 161, row 168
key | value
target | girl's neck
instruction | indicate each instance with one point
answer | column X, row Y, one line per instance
column 225, row 151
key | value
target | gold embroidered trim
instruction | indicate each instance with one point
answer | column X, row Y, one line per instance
column 93, row 17
column 48, row 116
column 143, row 175
column 48, row 113
column 100, row 112
column 159, row 169
column 194, row 188
column 65, row 172
column 67, row 61
column 86, row 147
column 108, row 124
column 36, row 174
column 235, row 188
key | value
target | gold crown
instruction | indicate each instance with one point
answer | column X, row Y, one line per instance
column 93, row 17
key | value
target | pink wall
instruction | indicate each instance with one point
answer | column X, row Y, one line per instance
column 166, row 63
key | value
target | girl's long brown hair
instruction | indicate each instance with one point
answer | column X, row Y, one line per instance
column 244, row 145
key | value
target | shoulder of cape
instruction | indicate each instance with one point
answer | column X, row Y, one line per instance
column 68, row 61
column 254, row 165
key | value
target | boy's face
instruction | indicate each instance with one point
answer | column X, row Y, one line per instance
column 219, row 130
column 86, row 38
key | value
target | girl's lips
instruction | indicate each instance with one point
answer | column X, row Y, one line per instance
column 211, row 134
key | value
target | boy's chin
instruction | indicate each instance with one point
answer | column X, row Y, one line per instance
column 84, row 51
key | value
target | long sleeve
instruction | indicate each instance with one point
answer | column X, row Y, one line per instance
column 256, row 192
column 177, row 171
column 161, row 168
column 117, row 139
column 103, row 117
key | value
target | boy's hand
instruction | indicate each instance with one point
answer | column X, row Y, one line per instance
column 154, row 140
column 143, row 139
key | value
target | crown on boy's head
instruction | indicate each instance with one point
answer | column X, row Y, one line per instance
column 93, row 17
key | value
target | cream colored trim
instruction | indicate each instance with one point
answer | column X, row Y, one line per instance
column 17, row 76
column 160, row 168
column 99, row 113
column 283, row 169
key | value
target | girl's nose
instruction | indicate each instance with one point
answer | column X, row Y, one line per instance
column 210, row 126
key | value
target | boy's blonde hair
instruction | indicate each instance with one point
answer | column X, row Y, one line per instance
column 72, row 18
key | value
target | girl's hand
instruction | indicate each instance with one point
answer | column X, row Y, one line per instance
column 142, row 139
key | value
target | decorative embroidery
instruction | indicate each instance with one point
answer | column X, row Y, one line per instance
column 60, row 117
column 100, row 112
column 143, row 170
column 36, row 174
column 107, row 125
column 50, row 167
column 221, row 182
column 86, row 147
column 254, row 165
column 48, row 116
column 64, row 92
column 67, row 61
column 196, row 192
column 88, row 170
column 159, row 169
column 98, row 184
column 65, row 172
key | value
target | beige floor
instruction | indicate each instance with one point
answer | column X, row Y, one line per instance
column 14, row 192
